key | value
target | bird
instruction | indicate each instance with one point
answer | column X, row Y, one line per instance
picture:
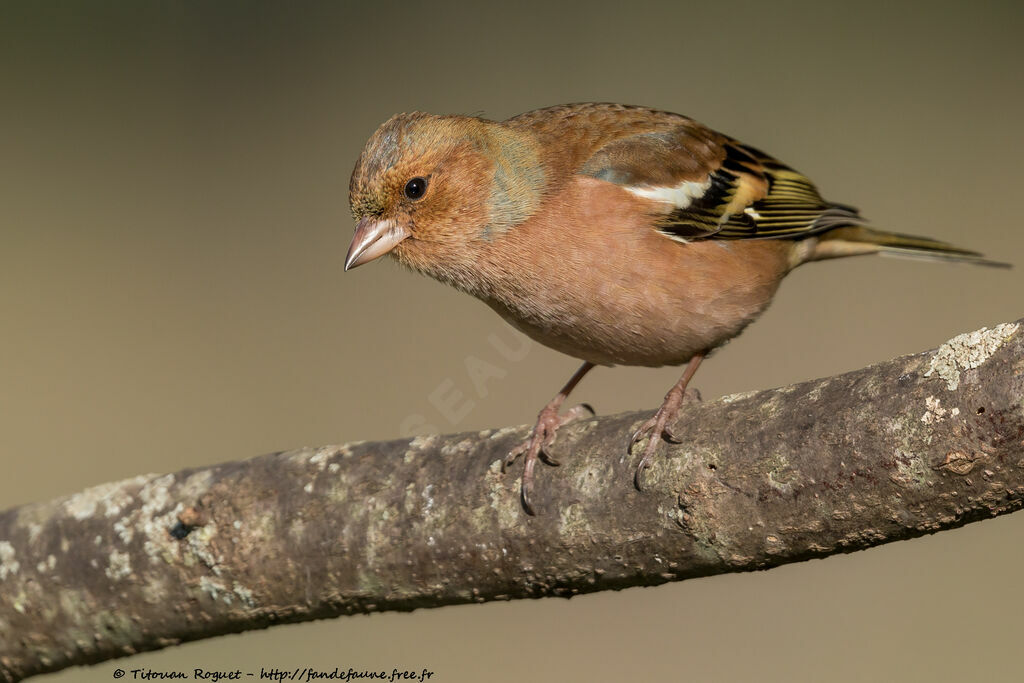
column 616, row 234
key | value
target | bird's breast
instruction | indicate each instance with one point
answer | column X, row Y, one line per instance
column 591, row 277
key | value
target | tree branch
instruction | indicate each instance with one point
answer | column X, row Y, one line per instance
column 899, row 449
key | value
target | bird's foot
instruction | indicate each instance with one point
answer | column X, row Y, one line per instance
column 536, row 444
column 657, row 428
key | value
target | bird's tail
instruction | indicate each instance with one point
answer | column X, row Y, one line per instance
column 858, row 239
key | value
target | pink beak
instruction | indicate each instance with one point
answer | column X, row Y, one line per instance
column 373, row 239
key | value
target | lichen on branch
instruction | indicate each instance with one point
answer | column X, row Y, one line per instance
column 895, row 450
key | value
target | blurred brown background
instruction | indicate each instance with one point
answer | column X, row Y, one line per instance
column 173, row 220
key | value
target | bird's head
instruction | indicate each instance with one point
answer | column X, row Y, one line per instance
column 427, row 189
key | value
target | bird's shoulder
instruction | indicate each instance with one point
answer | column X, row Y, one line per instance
column 570, row 136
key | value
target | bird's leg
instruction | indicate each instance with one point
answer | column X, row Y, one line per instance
column 543, row 435
column 657, row 428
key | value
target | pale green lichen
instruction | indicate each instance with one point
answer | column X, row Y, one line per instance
column 479, row 519
column 573, row 522
column 8, row 565
column 505, row 505
column 934, row 412
column 505, row 431
column 199, row 543
column 118, row 499
column 113, row 497
column 215, row 589
column 968, row 351
column 245, row 595
column 155, row 516
column 49, row 564
column 320, row 457
column 377, row 512
column 814, row 395
column 124, row 530
column 428, row 499
column 416, row 447
column 911, row 471
column 197, row 484
column 591, row 480
column 21, row 602
column 458, row 448
column 781, row 475
column 732, row 398
column 118, row 566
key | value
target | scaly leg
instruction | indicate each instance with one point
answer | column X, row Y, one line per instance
column 543, row 435
column 656, row 428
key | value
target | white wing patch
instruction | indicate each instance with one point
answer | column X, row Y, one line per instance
column 680, row 196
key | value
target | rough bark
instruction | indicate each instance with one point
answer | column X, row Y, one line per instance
column 899, row 449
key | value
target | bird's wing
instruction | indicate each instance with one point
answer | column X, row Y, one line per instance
column 710, row 186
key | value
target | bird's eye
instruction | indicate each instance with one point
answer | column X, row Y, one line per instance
column 415, row 188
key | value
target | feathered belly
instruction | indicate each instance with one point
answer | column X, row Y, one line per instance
column 628, row 313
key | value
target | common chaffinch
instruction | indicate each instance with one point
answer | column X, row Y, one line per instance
column 616, row 234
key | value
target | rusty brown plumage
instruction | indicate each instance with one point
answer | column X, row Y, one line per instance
column 613, row 233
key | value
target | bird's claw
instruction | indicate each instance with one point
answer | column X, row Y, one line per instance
column 670, row 436
column 641, row 432
column 546, row 457
column 648, row 427
column 655, row 429
column 514, row 454
column 644, row 463
column 536, row 445
column 582, row 408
